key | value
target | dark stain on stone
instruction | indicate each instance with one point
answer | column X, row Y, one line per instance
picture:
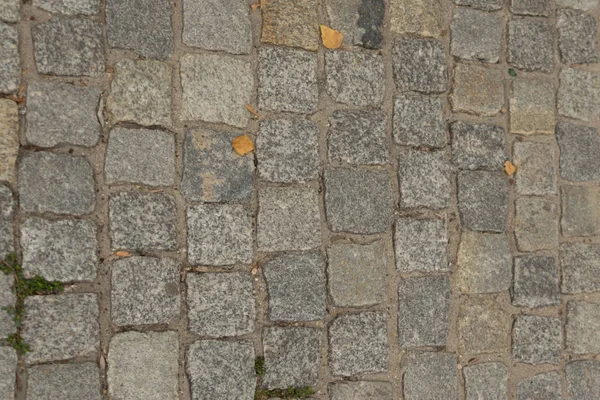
column 370, row 19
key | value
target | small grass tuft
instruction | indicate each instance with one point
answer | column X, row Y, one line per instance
column 289, row 393
column 259, row 366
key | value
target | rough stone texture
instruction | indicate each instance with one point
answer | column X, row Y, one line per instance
column 580, row 211
column 424, row 179
column 59, row 250
column 577, row 32
column 585, row 5
column 536, row 223
column 142, row 221
column 579, row 152
column 429, row 375
column 143, row 365
column 72, row 47
column 10, row 69
column 583, row 380
column 358, row 344
column 292, row 356
column 9, row 10
column 357, row 274
column 541, row 8
column 535, row 168
column 358, row 200
column 423, row 307
column 483, row 326
column 419, row 121
column 296, row 286
column 536, row 282
column 64, row 381
column 477, row 90
column 483, row 200
column 486, row 5
column 60, row 327
column 215, row 88
column 486, row 381
column 421, row 17
column 220, row 304
column 62, row 114
column 288, row 219
column 420, row 65
column 144, row 290
column 583, row 325
column 141, row 93
column 221, row 370
column 287, row 150
column 579, row 94
column 9, row 139
column 478, row 146
column 357, row 137
column 532, row 104
column 537, row 340
column 7, row 209
column 420, row 245
column 531, row 44
column 8, row 369
column 580, row 267
column 544, row 386
column 484, row 263
column 360, row 21
column 69, row 7
column 360, row 390
column 57, row 183
column 7, row 299
column 291, row 23
column 219, row 234
column 355, row 79
column 476, row 35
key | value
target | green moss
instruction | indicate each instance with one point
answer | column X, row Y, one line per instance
column 259, row 366
column 289, row 393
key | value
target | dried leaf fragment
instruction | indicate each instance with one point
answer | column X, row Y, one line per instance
column 331, row 38
column 122, row 253
column 242, row 145
column 509, row 168
column 254, row 6
column 252, row 110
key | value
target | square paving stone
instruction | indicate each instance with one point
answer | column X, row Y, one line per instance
column 292, row 356
column 358, row 200
column 486, row 5
column 7, row 300
column 219, row 234
column 357, row 137
column 360, row 390
column 8, row 370
column 10, row 69
column 141, row 93
column 583, row 380
column 583, row 325
column 10, row 10
column 580, row 211
column 421, row 17
column 585, row 5
column 540, row 8
column 484, row 263
column 579, row 94
column 287, row 150
column 288, row 219
column 72, row 47
column 357, row 274
column 531, row 44
column 360, row 21
column 579, row 152
column 532, row 104
column 221, row 370
column 429, row 375
column 9, row 139
column 537, row 340
column 536, row 223
column 127, row 157
column 358, row 344
column 291, row 23
column 142, row 221
column 476, row 35
column 355, row 79
column 7, row 210
column 217, row 25
column 423, row 307
column 483, row 200
column 141, row 26
column 478, row 146
column 483, row 326
column 143, row 366
column 419, row 120
column 577, row 32
column 215, row 88
column 60, row 327
column 545, row 386
column 420, row 245
column 477, row 90
column 60, row 250
column 424, row 179
column 220, row 304
column 486, row 381
column 580, row 267
column 64, row 381
column 535, row 168
column 296, row 286
column 420, row 65
column 79, row 7
column 57, row 183
column 144, row 290
column 536, row 282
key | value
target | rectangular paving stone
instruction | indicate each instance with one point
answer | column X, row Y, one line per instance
column 9, row 10
column 8, row 370
column 7, row 300
column 577, row 33
column 483, row 200
column 579, row 94
column 9, row 139
column 477, row 90
column 64, row 381
column 483, row 326
column 541, row 386
column 424, row 179
column 580, row 267
column 536, row 223
column 419, row 121
column 429, row 375
column 486, row 5
column 143, row 365
column 535, row 168
column 291, row 23
column 423, row 307
column 536, row 282
column 583, row 379
column 583, row 325
column 532, row 103
column 419, row 65
column 476, row 35
column 580, row 211
column 579, row 152
column 531, row 44
column 360, row 21
column 421, row 17
column 360, row 390
column 10, row 69
column 7, row 210
column 478, row 146
column 486, row 381
column 356, row 79
column 585, row 5
column 79, row 7
column 537, row 340
column 540, row 8
column 420, row 245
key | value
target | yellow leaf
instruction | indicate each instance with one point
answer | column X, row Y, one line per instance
column 252, row 110
column 242, row 144
column 509, row 168
column 331, row 38
column 122, row 253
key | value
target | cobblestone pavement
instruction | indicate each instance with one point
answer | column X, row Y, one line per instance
column 371, row 247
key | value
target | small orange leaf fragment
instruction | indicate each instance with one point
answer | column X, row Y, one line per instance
column 331, row 38
column 242, row 145
column 254, row 6
column 509, row 168
column 122, row 253
column 252, row 110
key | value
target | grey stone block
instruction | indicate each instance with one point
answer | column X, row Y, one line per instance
column 57, row 183
column 360, row 390
column 486, row 5
column 536, row 223
column 419, row 120
column 579, row 152
column 296, row 286
column 7, row 210
column 9, row 139
column 422, row 18
column 535, row 168
column 420, row 245
column 60, row 327
column 10, row 10
column 8, row 370
column 540, row 8
column 142, row 221
column 580, row 211
column 360, row 21
column 537, row 340
column 424, row 179
column 545, row 386
column 476, row 35
column 536, row 282
column 577, row 33
column 483, row 200
column 579, row 94
column 7, row 300
column 69, row 7
column 531, row 44
column 292, row 23
column 478, row 146
column 486, row 381
column 143, row 365
column 64, row 381
column 583, row 325
column 580, row 267
column 583, row 379
column 10, row 69
column 585, row 5
column 532, row 106
column 483, row 326
column 429, row 375
column 221, row 370
column 477, row 90
column 420, row 65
